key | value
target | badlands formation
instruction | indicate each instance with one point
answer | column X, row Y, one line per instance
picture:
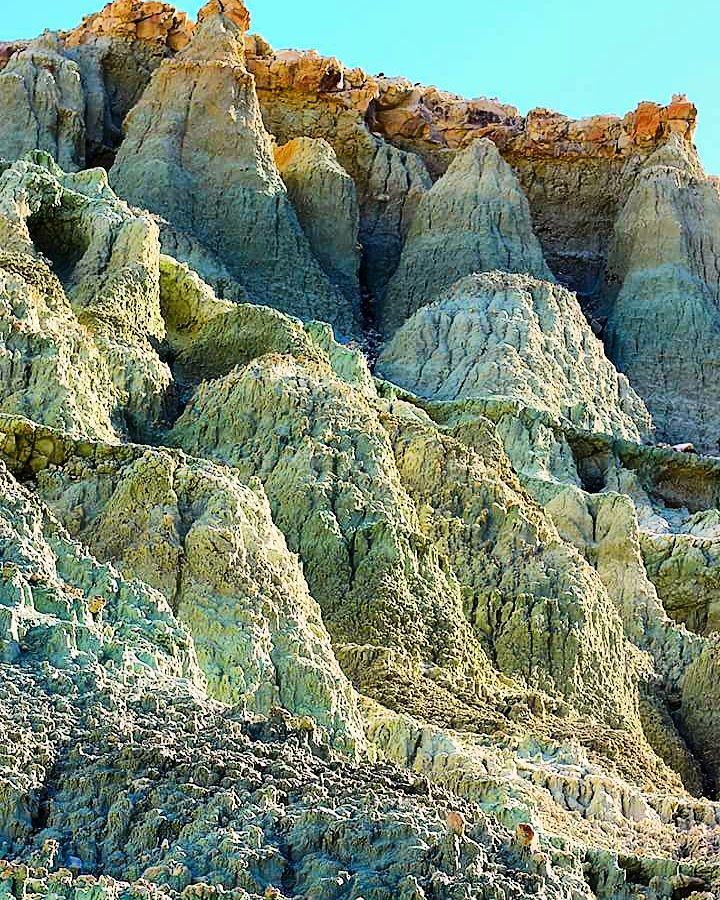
column 359, row 481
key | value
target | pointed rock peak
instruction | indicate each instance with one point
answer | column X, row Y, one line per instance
column 219, row 34
column 480, row 154
column 234, row 10
column 475, row 218
column 479, row 150
column 676, row 153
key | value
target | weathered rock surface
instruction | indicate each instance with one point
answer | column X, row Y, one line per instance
column 325, row 200
column 68, row 93
column 449, row 633
column 576, row 173
column 304, row 94
column 664, row 321
column 474, row 219
column 685, row 568
column 8, row 49
column 43, row 105
column 499, row 336
column 208, row 170
column 98, row 315
column 102, row 696
column 205, row 540
column 328, row 468
column 134, row 20
column 347, row 487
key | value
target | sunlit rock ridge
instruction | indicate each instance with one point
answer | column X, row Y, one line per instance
column 359, row 505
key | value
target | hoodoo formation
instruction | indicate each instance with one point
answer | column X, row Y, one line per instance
column 359, row 487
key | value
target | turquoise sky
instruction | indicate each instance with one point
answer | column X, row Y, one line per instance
column 576, row 56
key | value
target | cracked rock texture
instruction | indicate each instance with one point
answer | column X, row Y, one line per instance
column 207, row 543
column 514, row 337
column 75, row 357
column 339, row 556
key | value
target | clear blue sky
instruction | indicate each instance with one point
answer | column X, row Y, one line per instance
column 577, row 56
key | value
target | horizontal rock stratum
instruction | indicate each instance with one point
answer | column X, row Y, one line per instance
column 359, row 511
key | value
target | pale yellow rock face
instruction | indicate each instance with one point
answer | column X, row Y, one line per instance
column 353, row 491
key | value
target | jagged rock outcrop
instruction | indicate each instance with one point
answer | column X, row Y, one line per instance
column 343, row 499
column 98, row 314
column 50, row 368
column 475, row 567
column 117, row 50
column 699, row 709
column 208, row 170
column 429, row 121
column 539, row 587
column 259, row 787
column 8, row 49
column 474, row 219
column 501, row 336
column 664, row 322
column 134, row 20
column 304, row 94
column 67, row 616
column 203, row 539
column 576, row 173
column 43, row 104
column 68, row 93
column 675, row 496
column 60, row 605
column 325, row 200
column 328, row 469
column 604, row 528
column 103, row 700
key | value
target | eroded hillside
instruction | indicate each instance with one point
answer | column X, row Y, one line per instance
column 344, row 548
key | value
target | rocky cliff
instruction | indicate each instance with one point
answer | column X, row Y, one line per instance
column 344, row 551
